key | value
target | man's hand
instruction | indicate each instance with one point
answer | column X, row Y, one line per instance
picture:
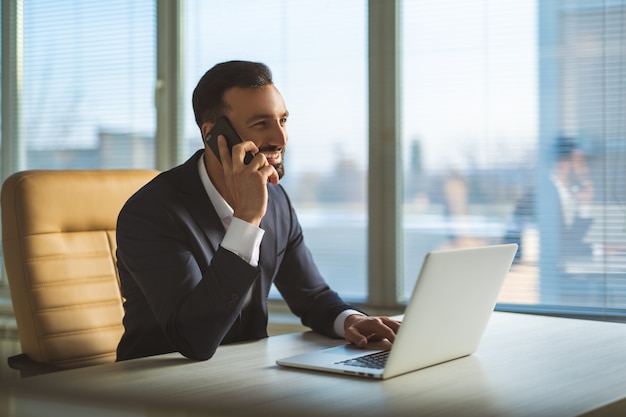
column 246, row 185
column 362, row 329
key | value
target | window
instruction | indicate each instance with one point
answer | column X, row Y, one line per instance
column 88, row 84
column 514, row 123
column 319, row 64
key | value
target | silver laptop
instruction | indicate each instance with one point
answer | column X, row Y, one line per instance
column 451, row 304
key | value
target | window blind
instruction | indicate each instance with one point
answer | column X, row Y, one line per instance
column 88, row 84
column 514, row 128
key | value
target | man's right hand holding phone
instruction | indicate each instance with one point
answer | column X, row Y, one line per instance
column 246, row 185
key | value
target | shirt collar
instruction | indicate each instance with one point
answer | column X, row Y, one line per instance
column 223, row 209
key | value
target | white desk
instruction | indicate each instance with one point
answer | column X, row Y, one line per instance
column 525, row 366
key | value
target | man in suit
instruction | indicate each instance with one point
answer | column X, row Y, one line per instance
column 570, row 192
column 201, row 244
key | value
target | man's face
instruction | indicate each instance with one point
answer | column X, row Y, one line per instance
column 260, row 115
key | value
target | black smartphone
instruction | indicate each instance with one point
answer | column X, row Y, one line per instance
column 223, row 127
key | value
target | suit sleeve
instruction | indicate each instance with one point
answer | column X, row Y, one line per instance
column 301, row 284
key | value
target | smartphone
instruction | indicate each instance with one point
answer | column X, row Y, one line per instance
column 223, row 127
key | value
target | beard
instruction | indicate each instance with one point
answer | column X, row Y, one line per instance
column 279, row 167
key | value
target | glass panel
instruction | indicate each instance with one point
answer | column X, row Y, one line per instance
column 88, row 91
column 319, row 64
column 514, row 123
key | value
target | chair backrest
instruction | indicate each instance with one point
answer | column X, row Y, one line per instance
column 58, row 235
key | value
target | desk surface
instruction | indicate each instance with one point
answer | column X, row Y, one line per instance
column 525, row 365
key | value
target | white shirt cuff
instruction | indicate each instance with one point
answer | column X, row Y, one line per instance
column 340, row 320
column 244, row 240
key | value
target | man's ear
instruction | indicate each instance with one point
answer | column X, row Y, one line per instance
column 206, row 128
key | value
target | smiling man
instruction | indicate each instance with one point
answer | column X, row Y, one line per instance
column 201, row 244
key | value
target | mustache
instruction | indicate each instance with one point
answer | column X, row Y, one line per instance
column 270, row 148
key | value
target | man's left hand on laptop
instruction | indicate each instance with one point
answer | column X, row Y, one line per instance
column 361, row 329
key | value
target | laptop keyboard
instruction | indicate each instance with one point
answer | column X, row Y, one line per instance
column 373, row 361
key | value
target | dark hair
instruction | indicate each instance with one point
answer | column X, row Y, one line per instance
column 564, row 147
column 208, row 96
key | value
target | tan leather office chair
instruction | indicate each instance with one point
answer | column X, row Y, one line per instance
column 58, row 235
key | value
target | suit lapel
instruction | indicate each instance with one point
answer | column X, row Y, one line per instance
column 198, row 202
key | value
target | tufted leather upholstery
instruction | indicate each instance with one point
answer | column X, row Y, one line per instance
column 58, row 234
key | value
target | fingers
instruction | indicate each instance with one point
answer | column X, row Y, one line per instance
column 369, row 329
column 239, row 151
column 391, row 323
column 272, row 175
column 355, row 337
column 229, row 162
column 225, row 156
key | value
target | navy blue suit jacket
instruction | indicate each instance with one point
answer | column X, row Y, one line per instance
column 183, row 292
